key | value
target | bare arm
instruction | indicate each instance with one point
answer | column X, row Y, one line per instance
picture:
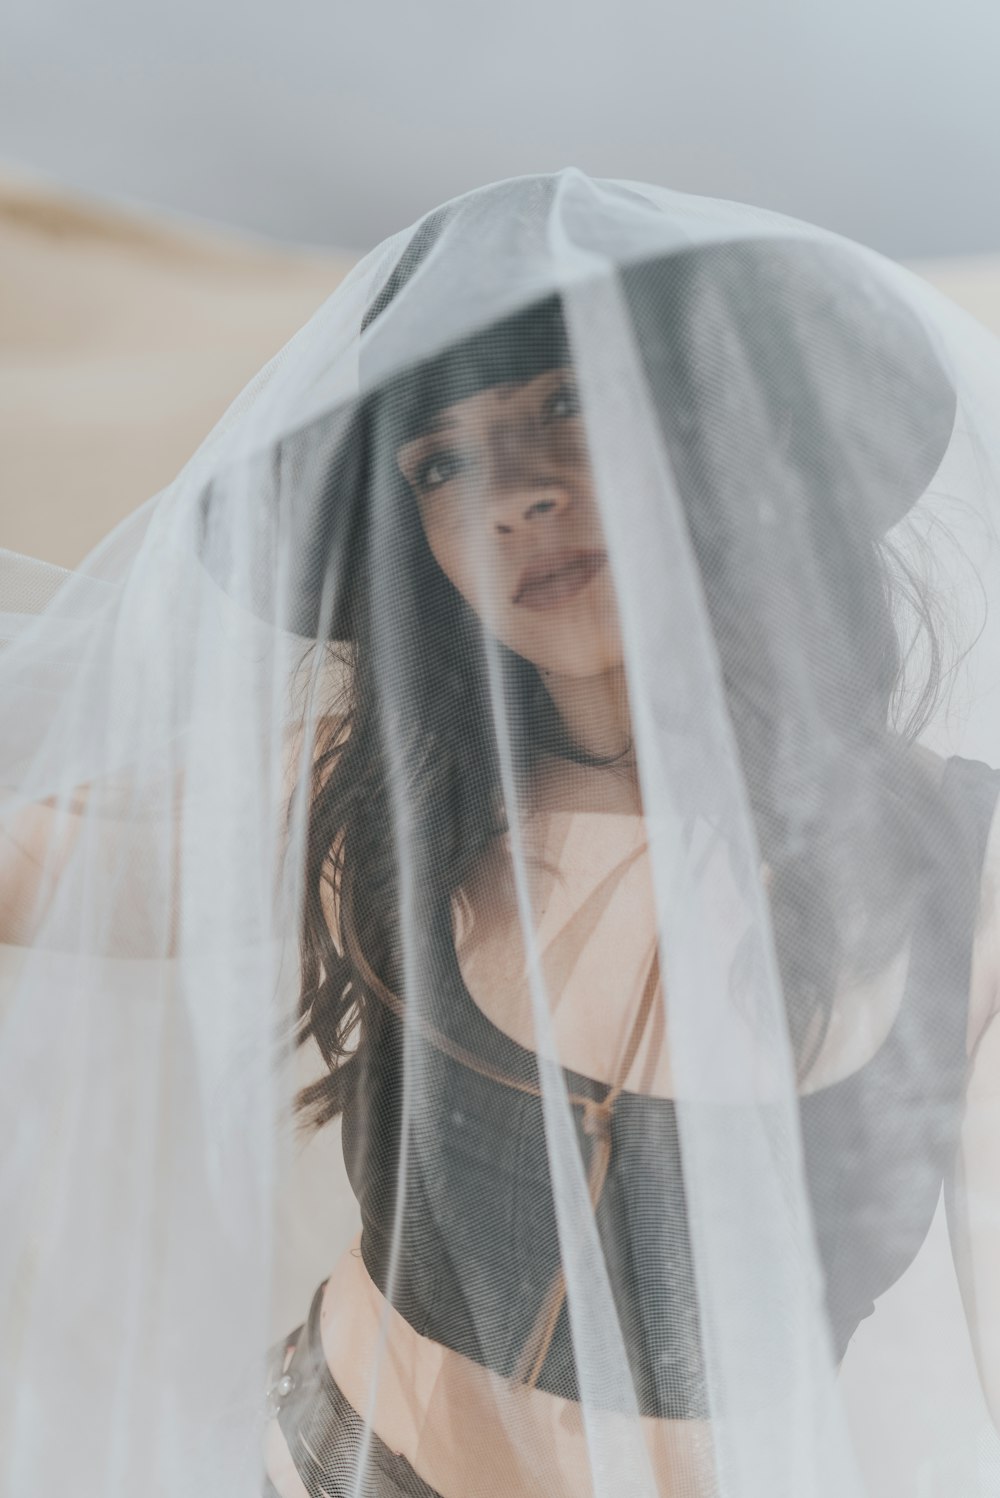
column 38, row 840
column 35, row 844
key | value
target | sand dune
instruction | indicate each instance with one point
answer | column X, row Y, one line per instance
column 123, row 338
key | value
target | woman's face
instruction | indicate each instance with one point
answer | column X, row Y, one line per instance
column 505, row 492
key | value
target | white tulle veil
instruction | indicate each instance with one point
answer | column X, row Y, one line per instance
column 793, row 465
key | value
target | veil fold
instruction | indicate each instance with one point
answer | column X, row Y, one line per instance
column 629, row 939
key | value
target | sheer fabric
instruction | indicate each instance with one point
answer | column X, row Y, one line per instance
column 548, row 732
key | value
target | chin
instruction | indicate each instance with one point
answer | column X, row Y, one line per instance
column 577, row 658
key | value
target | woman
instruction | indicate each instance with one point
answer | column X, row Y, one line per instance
column 645, row 921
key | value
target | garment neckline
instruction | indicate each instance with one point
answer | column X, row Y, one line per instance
column 526, row 1060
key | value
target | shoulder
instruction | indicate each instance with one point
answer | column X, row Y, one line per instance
column 972, row 787
column 975, row 786
column 986, row 950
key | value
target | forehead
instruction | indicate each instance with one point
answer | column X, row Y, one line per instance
column 483, row 407
column 504, row 357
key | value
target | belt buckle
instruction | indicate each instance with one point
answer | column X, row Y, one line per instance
column 283, row 1380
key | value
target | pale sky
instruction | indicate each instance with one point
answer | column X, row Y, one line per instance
column 334, row 124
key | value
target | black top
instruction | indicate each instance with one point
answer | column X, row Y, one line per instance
column 478, row 1250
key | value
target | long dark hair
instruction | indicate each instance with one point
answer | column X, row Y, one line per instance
column 871, row 821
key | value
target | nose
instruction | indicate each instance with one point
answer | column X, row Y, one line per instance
column 525, row 478
column 519, row 503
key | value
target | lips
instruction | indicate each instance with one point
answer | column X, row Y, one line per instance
column 557, row 576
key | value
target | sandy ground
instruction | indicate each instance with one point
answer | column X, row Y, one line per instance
column 122, row 341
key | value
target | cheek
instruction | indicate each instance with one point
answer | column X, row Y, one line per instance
column 578, row 639
column 471, row 568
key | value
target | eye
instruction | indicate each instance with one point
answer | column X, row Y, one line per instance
column 565, row 397
column 437, row 470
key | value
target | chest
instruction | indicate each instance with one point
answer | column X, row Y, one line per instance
column 587, row 889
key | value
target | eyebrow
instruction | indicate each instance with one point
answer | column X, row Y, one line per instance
column 413, row 445
column 440, row 423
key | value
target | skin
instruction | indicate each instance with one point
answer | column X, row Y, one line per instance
column 506, row 477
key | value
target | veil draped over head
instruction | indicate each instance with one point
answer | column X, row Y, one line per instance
column 548, row 732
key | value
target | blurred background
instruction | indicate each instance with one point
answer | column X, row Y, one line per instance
column 180, row 187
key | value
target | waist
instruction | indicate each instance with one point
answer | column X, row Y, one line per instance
column 475, row 1250
column 418, row 1393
